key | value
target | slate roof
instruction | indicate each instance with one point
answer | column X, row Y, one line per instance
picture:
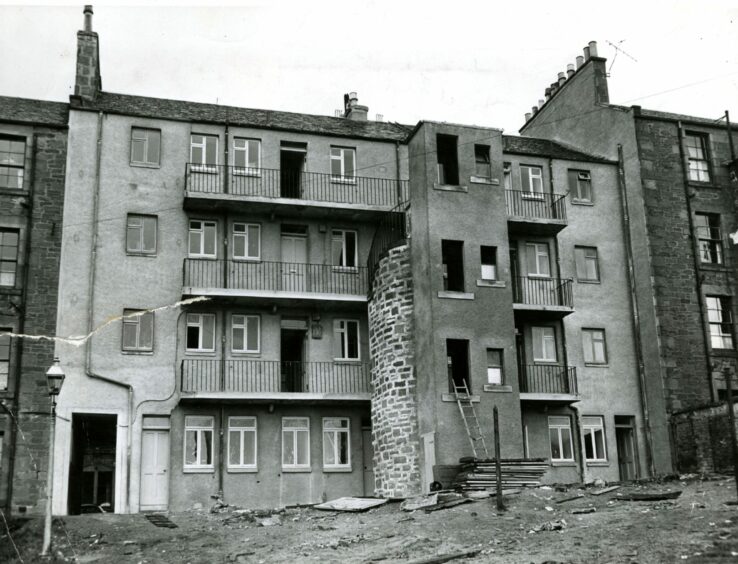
column 180, row 110
column 547, row 148
column 683, row 117
column 37, row 112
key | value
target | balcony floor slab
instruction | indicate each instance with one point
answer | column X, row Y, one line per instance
column 549, row 398
column 275, row 397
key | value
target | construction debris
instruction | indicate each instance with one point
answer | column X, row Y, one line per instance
column 447, row 504
column 650, row 496
column 479, row 474
column 584, row 510
column 419, row 502
column 350, row 504
column 550, row 526
column 605, row 490
column 578, row 496
column 160, row 520
column 446, row 557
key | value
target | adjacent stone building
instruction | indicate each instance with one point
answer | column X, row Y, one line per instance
column 33, row 146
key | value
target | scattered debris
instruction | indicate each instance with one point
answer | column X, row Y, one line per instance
column 599, row 483
column 505, row 492
column 419, row 502
column 557, row 525
column 447, row 504
column 350, row 504
column 584, row 511
column 269, row 521
column 439, row 559
column 605, row 490
column 160, row 520
column 651, row 496
column 564, row 500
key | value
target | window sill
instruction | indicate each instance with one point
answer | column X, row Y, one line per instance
column 338, row 470
column 598, row 463
column 346, row 269
column 484, row 180
column 10, row 291
column 250, row 470
column 716, row 267
column 497, row 388
column 207, row 257
column 724, row 352
column 491, row 283
column 347, row 361
column 350, row 181
column 588, row 281
column 581, row 203
column 303, row 470
column 138, row 353
column 251, row 260
column 200, row 353
column 145, row 165
column 564, row 463
column 456, row 295
column 208, row 470
column 246, row 172
column 702, row 184
column 141, row 255
column 250, row 354
column 450, row 187
column 13, row 192
column 451, row 398
column 532, row 196
column 596, row 365
column 204, row 169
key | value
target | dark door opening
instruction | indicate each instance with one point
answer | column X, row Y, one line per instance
column 448, row 159
column 92, row 463
column 626, row 444
column 291, row 166
column 457, row 353
column 452, row 259
column 292, row 345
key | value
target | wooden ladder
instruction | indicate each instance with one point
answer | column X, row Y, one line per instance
column 471, row 423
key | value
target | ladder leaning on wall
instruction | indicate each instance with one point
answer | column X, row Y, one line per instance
column 469, row 417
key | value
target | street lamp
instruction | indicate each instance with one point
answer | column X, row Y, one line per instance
column 54, row 381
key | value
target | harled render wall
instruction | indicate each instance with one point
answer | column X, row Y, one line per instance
column 394, row 407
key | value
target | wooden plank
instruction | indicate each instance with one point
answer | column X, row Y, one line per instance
column 605, row 490
column 350, row 504
column 447, row 504
column 572, row 498
column 441, row 558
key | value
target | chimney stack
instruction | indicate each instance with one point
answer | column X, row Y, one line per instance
column 352, row 109
column 592, row 48
column 88, row 82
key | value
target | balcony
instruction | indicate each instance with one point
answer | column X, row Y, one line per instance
column 535, row 212
column 285, row 281
column 536, row 295
column 275, row 380
column 263, row 190
column 548, row 382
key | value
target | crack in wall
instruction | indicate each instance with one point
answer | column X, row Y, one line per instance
column 79, row 340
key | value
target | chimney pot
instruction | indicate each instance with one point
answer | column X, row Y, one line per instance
column 88, row 17
column 554, row 87
column 548, row 93
column 380, row 117
column 569, row 70
column 535, row 110
column 540, row 103
column 592, row 48
column 562, row 78
column 527, row 117
column 580, row 61
column 586, row 53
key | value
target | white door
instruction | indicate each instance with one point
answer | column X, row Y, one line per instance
column 154, row 470
column 294, row 259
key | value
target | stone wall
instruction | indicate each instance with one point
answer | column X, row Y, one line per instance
column 702, row 440
column 394, row 402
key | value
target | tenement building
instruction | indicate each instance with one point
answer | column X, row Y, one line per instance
column 681, row 194
column 33, row 144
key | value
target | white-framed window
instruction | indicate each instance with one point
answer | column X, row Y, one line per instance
column 12, row 162
column 709, row 237
column 580, row 185
column 138, row 330
column 203, row 152
column 141, row 234
column 245, row 333
column 488, row 256
column 483, row 165
column 9, row 241
column 343, row 164
column 200, row 332
column 296, row 442
column 495, row 373
column 538, row 260
column 595, row 350
column 246, row 241
column 507, row 176
column 198, row 442
column 242, row 441
column 587, row 264
column 336, row 443
column 145, row 146
column 544, row 344
column 344, row 248
column 699, row 166
column 202, row 238
column 593, row 429
column 4, row 356
column 720, row 318
column 346, row 339
column 531, row 180
column 559, row 432
column 246, row 156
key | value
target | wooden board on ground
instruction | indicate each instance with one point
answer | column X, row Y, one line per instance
column 572, row 498
column 350, row 504
column 447, row 504
column 606, row 490
column 419, row 502
column 650, row 496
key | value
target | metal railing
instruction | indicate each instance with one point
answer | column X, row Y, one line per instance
column 548, row 379
column 276, row 183
column 275, row 276
column 543, row 291
column 391, row 232
column 538, row 205
column 275, row 376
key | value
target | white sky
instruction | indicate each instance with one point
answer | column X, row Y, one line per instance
column 483, row 63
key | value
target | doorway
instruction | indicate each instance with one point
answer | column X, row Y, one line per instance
column 294, row 258
column 292, row 347
column 368, row 460
column 291, row 167
column 92, row 463
column 457, row 358
column 626, row 445
column 154, row 464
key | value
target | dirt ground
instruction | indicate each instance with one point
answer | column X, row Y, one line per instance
column 696, row 527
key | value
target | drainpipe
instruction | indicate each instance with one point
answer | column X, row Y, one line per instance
column 21, row 329
column 635, row 314
column 91, row 311
column 697, row 277
column 558, row 271
column 398, row 176
column 580, row 444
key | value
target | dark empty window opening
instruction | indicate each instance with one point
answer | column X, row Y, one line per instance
column 457, row 353
column 452, row 257
column 448, row 163
column 489, row 262
column 483, row 165
column 292, row 167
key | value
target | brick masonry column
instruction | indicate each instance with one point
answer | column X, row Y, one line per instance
column 394, row 403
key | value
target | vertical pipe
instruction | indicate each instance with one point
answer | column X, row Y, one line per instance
column 49, row 482
column 221, row 452
column 498, row 465
column 730, row 135
column 580, row 444
column 731, row 422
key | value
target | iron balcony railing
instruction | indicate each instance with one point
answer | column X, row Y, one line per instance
column 275, row 276
column 391, row 232
column 543, row 291
column 548, row 379
column 535, row 205
column 276, row 183
column 274, row 376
